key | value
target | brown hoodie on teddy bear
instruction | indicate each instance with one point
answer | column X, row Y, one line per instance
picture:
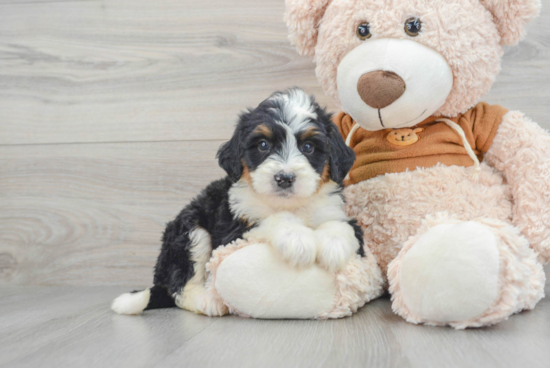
column 437, row 143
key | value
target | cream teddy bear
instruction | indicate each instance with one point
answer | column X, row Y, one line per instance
column 457, row 214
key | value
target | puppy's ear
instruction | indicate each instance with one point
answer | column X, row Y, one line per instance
column 341, row 156
column 302, row 18
column 230, row 156
column 511, row 17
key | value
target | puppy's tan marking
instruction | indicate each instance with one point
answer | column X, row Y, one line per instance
column 246, row 174
column 325, row 177
column 309, row 133
column 264, row 130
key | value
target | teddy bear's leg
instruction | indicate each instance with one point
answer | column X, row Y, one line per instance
column 465, row 274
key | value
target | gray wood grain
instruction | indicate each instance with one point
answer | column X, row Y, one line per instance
column 93, row 214
column 104, row 71
column 73, row 327
column 134, row 70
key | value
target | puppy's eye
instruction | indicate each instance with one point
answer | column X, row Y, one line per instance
column 413, row 26
column 363, row 31
column 307, row 148
column 264, row 146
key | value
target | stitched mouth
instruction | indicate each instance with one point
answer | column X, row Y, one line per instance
column 380, row 117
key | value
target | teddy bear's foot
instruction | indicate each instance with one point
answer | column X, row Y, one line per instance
column 255, row 282
column 465, row 274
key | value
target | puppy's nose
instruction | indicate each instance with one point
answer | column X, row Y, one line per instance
column 285, row 180
column 380, row 89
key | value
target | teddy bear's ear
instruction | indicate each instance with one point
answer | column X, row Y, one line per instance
column 302, row 18
column 511, row 17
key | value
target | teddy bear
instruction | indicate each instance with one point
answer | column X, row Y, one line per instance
column 453, row 194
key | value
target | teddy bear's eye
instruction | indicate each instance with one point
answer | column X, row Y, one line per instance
column 363, row 31
column 413, row 26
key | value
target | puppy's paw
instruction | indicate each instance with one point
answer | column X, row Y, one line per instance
column 336, row 244
column 297, row 245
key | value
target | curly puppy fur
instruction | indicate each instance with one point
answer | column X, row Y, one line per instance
column 285, row 163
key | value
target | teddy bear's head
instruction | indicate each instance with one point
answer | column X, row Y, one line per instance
column 393, row 63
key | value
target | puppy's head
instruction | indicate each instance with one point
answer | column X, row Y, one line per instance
column 287, row 147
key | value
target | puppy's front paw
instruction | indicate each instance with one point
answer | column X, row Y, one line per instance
column 297, row 245
column 336, row 243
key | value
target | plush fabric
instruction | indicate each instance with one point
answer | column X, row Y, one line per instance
column 519, row 283
column 258, row 283
column 422, row 92
column 521, row 150
column 391, row 208
column 461, row 246
column 280, row 291
column 468, row 33
column 438, row 143
column 511, row 17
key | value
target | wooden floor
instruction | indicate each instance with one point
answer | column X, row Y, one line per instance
column 73, row 327
column 111, row 112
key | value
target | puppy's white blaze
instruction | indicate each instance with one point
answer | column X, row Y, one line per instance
column 297, row 108
column 131, row 303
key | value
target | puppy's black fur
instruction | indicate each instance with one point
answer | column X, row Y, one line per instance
column 211, row 209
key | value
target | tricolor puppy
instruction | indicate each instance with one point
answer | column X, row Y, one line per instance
column 285, row 165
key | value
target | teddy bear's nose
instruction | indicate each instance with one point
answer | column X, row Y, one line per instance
column 380, row 88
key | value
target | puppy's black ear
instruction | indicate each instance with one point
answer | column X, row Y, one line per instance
column 230, row 156
column 341, row 156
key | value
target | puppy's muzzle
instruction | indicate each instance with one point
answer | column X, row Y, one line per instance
column 285, row 180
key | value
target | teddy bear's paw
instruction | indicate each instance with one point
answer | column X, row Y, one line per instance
column 336, row 243
column 465, row 274
column 451, row 273
column 297, row 245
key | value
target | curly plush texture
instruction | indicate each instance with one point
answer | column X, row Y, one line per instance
column 218, row 256
column 511, row 17
column 302, row 18
column 360, row 282
column 464, row 31
column 390, row 208
column 521, row 150
column 521, row 278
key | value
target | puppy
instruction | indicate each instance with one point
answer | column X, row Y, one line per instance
column 285, row 165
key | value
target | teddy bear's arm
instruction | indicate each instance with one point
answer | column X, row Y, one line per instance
column 521, row 151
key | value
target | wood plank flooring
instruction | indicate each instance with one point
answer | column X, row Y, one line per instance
column 73, row 327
